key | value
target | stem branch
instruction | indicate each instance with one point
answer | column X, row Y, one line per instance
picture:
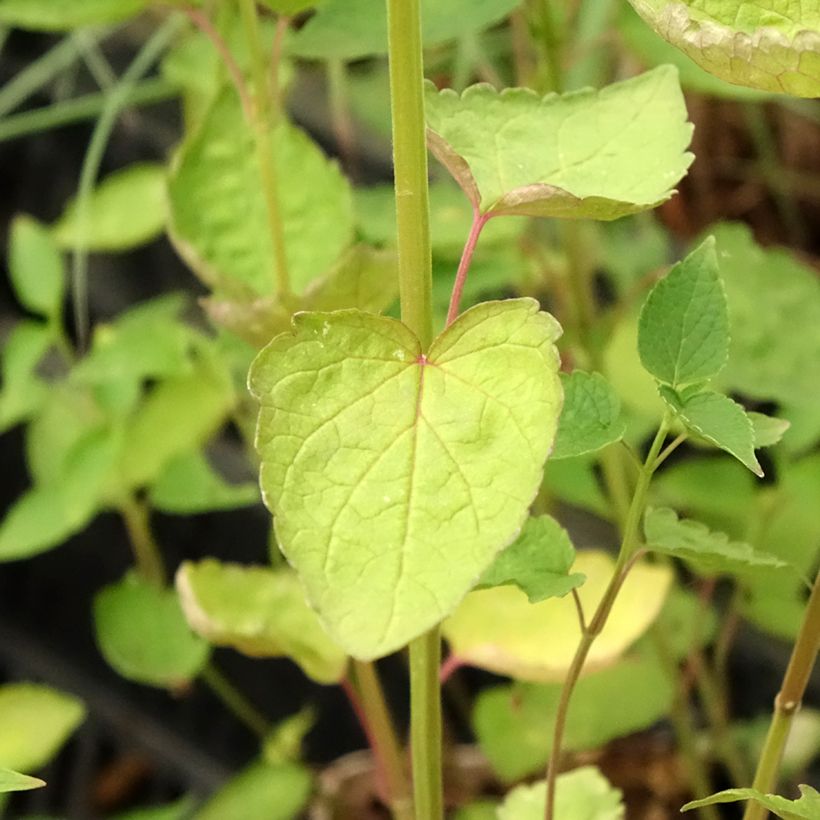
column 479, row 221
column 237, row 704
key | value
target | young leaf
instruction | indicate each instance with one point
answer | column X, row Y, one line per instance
column 37, row 720
column 514, row 723
column 538, row 562
column 11, row 781
column 767, row 44
column 259, row 612
column 352, row 29
column 219, row 219
column 683, row 331
column 768, row 430
column 359, row 435
column 564, row 156
column 36, row 268
column 591, row 416
column 63, row 15
column 499, row 630
column 22, row 391
column 708, row 551
column 127, row 209
column 261, row 792
column 719, row 420
column 582, row 794
column 807, row 807
column 143, row 635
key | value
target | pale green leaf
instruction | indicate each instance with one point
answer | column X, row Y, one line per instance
column 768, row 430
column 683, row 330
column 807, row 807
column 537, row 562
column 22, row 391
column 364, row 441
column 767, row 44
column 127, row 209
column 219, row 219
column 719, row 420
column 11, row 781
column 260, row 612
column 261, row 792
column 36, row 267
column 480, row 810
column 144, row 636
column 591, row 416
column 283, row 743
column 582, row 794
column 63, row 15
column 37, row 720
column 564, row 156
column 290, row 7
column 499, row 630
column 351, row 29
column 708, row 551
column 514, row 724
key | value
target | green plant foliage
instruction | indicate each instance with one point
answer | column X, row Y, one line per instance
column 351, row 29
column 179, row 810
column 127, row 209
column 707, row 551
column 143, row 634
column 260, row 612
column 261, row 792
column 219, row 219
column 514, row 724
column 290, row 7
column 574, row 481
column 769, row 44
column 499, row 630
column 538, row 562
column 719, row 420
column 36, row 268
column 359, row 433
column 685, row 623
column 807, row 807
column 63, row 15
column 22, row 391
column 481, row 810
column 11, row 781
column 591, row 416
column 37, row 720
column 768, row 430
column 189, row 484
column 683, row 331
column 582, row 794
column 564, row 156
column 283, row 743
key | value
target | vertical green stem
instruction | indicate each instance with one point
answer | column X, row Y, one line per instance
column 263, row 126
column 787, row 703
column 235, row 701
column 147, row 554
column 339, row 99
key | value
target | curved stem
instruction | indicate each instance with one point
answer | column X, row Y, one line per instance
column 787, row 703
column 147, row 554
column 235, row 701
column 479, row 221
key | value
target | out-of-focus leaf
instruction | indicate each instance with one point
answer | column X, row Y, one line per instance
column 179, row 810
column 22, row 391
column 64, row 15
column 768, row 430
column 36, row 267
column 807, row 807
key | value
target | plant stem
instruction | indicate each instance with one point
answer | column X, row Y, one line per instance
column 338, row 98
column 84, row 107
column 787, row 703
column 479, row 221
column 425, row 731
column 147, row 554
column 113, row 104
column 629, row 546
column 384, row 743
column 263, row 125
column 235, row 701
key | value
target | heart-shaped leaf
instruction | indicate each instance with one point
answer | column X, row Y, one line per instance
column 537, row 562
column 583, row 794
column 395, row 477
column 260, row 612
column 564, row 156
column 499, row 630
column 767, row 44
column 11, row 781
column 807, row 807
column 591, row 418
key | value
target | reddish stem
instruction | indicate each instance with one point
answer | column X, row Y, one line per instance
column 449, row 667
column 479, row 221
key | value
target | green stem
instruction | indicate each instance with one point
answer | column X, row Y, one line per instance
column 386, row 748
column 263, row 126
column 235, row 701
column 147, row 554
column 549, row 38
column 115, row 101
column 629, row 546
column 787, row 703
column 85, row 107
column 425, row 729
